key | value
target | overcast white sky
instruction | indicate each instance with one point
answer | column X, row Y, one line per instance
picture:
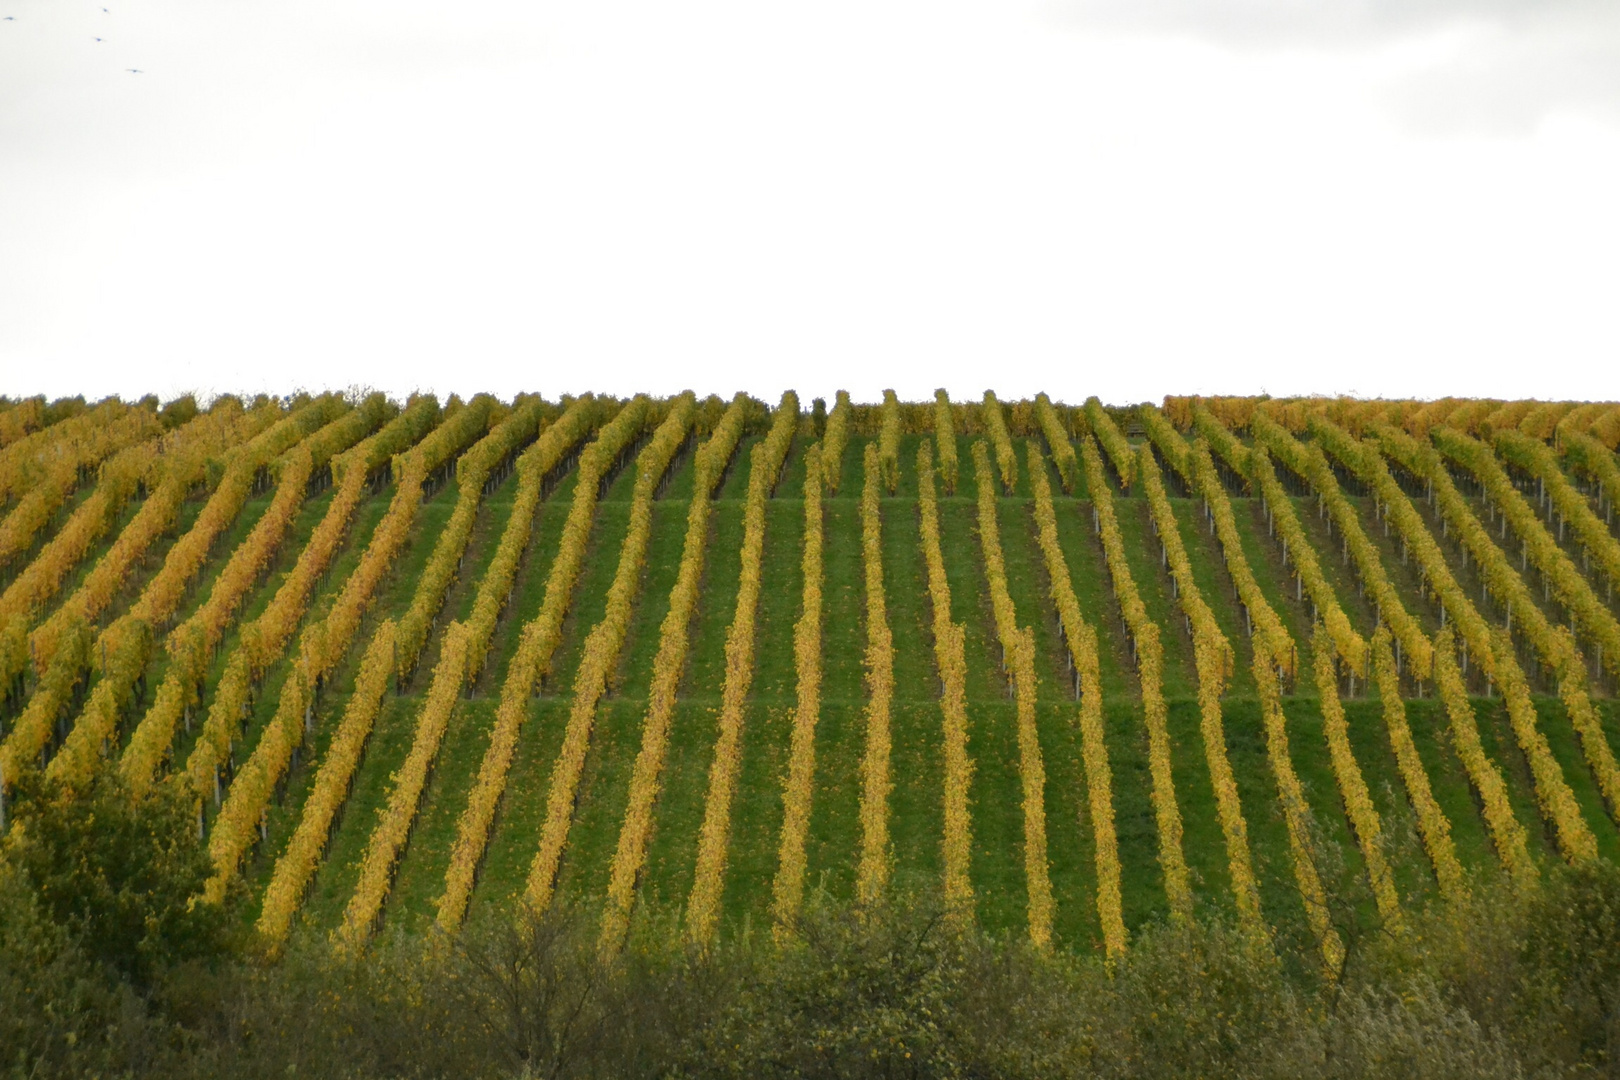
column 1121, row 197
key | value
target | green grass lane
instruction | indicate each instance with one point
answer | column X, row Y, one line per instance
column 1071, row 848
column 916, row 765
column 221, row 553
column 1566, row 748
column 363, row 524
column 756, row 813
column 1135, row 826
column 616, row 734
column 1338, row 858
column 420, row 878
column 1088, row 573
column 1431, row 733
column 93, row 555
column 1496, row 736
column 1144, row 555
column 1203, row 843
column 1280, row 899
column 529, row 585
column 1336, row 566
column 16, row 564
column 833, row 842
column 616, row 738
column 515, row 836
column 389, row 743
column 1276, row 582
column 1402, row 572
column 1215, row 585
column 1403, row 846
column 996, row 799
column 678, row 814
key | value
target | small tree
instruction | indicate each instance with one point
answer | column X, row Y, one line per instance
column 121, row 875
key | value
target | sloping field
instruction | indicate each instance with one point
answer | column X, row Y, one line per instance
column 680, row 662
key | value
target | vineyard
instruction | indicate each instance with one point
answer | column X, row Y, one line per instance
column 1310, row 664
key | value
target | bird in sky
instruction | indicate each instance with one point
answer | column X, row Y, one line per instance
column 100, row 39
column 135, row 71
column 10, row 18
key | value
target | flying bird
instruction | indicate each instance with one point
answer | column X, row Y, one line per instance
column 10, row 18
column 100, row 39
column 135, row 71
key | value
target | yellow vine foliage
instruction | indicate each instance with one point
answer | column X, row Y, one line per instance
column 394, row 825
column 1352, row 786
column 162, row 596
column 945, row 439
column 1283, row 523
column 888, row 444
column 1355, row 546
column 1080, row 639
column 1583, row 716
column 120, row 478
column 601, row 652
column 494, row 590
column 473, row 471
column 541, row 635
column 872, row 874
column 448, row 441
column 1113, row 441
column 1163, row 435
column 1209, row 658
column 834, row 440
column 1432, row 824
column 45, row 476
column 995, row 429
column 1149, row 654
column 1266, row 626
column 63, row 669
column 1539, row 546
column 1585, row 454
column 1557, row 801
column 798, row 788
column 192, row 644
column 1296, row 813
column 1606, row 428
column 1212, row 658
column 182, row 467
column 1391, row 506
column 296, row 866
column 1173, row 556
column 1058, row 445
column 703, row 905
column 264, row 641
column 536, row 463
column 1506, row 832
column 31, row 731
column 36, row 439
column 1495, row 655
column 1222, row 442
column 674, row 638
column 1556, row 650
column 1018, row 660
column 950, row 656
column 1577, row 421
column 538, row 638
column 323, row 645
column 130, row 638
